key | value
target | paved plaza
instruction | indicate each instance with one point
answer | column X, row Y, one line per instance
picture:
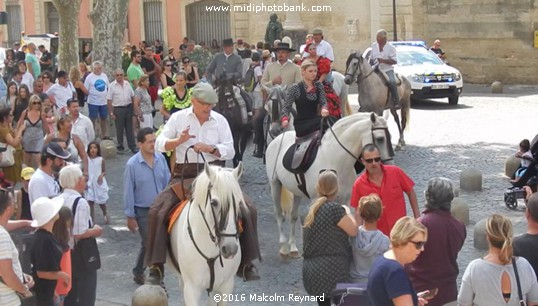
column 442, row 140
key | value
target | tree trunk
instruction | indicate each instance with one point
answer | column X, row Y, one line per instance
column 109, row 20
column 68, row 41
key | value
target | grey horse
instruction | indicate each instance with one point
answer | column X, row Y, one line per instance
column 374, row 95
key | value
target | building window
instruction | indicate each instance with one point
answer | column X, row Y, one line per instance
column 14, row 23
column 53, row 18
column 153, row 20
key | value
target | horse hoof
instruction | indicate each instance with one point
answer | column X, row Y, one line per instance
column 398, row 148
column 295, row 255
column 284, row 255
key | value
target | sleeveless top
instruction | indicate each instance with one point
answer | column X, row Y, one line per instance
column 191, row 77
column 33, row 136
column 19, row 108
column 169, row 80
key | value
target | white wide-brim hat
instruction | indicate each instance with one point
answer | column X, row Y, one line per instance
column 44, row 209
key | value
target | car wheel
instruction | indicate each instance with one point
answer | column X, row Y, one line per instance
column 453, row 100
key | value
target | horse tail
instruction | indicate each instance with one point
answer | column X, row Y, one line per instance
column 286, row 201
column 406, row 105
column 347, row 107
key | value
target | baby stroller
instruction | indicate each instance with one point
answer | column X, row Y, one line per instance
column 350, row 294
column 529, row 178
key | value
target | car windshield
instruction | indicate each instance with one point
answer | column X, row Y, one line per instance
column 417, row 57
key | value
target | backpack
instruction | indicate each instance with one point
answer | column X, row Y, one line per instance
column 250, row 80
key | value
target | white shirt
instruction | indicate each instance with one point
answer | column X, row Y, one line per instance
column 389, row 52
column 325, row 49
column 8, row 297
column 83, row 217
column 97, row 86
column 42, row 185
column 61, row 94
column 83, row 128
column 258, row 73
column 215, row 131
column 28, row 80
column 120, row 95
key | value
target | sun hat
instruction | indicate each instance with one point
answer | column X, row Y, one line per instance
column 205, row 93
column 44, row 209
column 26, row 173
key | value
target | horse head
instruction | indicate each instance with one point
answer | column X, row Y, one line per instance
column 380, row 136
column 352, row 67
column 217, row 195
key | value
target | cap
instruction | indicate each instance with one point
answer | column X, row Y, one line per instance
column 317, row 31
column 26, row 173
column 44, row 209
column 205, row 93
column 54, row 149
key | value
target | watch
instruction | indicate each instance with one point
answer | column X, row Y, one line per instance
column 214, row 150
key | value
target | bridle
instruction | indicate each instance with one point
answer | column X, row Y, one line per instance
column 359, row 76
column 215, row 234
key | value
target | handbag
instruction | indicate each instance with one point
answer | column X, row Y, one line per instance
column 519, row 293
column 85, row 255
column 8, row 158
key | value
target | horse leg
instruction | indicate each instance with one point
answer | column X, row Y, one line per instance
column 294, row 252
column 191, row 294
column 401, row 142
column 245, row 136
column 237, row 155
column 276, row 190
column 225, row 289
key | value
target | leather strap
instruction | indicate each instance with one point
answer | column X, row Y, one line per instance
column 519, row 293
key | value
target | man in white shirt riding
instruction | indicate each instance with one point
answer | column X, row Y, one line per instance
column 384, row 57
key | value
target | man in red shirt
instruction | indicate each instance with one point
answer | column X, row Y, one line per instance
column 389, row 182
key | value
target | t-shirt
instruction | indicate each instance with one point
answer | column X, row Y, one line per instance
column 45, row 257
column 61, row 94
column 134, row 72
column 149, row 66
column 387, row 280
column 42, row 185
column 526, row 246
column 97, row 86
column 145, row 100
column 31, row 59
column 525, row 163
column 46, row 56
column 8, row 297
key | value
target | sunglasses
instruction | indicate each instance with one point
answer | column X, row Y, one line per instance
column 36, row 103
column 119, row 74
column 332, row 170
column 45, row 77
column 418, row 244
column 186, row 62
column 168, row 65
column 371, row 160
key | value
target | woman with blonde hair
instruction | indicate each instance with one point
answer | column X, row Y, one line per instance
column 327, row 228
column 499, row 278
column 388, row 283
column 76, row 80
column 33, row 137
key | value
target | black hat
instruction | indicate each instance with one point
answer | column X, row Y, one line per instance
column 284, row 46
column 54, row 149
column 228, row 42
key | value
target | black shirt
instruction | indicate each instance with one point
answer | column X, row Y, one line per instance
column 46, row 56
column 45, row 257
column 149, row 66
column 526, row 246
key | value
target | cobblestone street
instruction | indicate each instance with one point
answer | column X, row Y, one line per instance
column 442, row 140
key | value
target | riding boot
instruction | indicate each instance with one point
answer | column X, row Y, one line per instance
column 156, row 274
column 258, row 152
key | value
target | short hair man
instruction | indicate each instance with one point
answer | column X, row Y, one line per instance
column 323, row 48
column 46, row 59
column 150, row 68
column 384, row 56
column 389, row 182
column 225, row 64
column 43, row 182
column 146, row 175
column 82, row 125
column 62, row 91
column 32, row 61
column 526, row 245
column 120, row 99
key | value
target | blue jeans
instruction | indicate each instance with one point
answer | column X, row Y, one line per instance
column 142, row 220
column 393, row 87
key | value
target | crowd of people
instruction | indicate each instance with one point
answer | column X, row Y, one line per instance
column 56, row 158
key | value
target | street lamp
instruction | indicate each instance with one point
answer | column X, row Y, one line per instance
column 394, row 20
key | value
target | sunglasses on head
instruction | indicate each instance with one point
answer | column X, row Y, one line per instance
column 332, row 170
column 371, row 160
column 418, row 244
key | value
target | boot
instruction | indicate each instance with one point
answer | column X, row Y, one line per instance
column 258, row 152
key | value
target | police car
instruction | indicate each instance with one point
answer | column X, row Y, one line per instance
column 429, row 76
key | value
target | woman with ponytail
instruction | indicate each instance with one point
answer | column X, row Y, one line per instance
column 327, row 228
column 492, row 280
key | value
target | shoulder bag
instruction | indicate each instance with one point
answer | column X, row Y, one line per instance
column 85, row 254
column 7, row 158
column 522, row 302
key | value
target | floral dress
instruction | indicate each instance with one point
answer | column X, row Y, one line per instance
column 333, row 100
column 172, row 102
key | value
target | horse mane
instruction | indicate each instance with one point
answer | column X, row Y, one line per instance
column 225, row 187
column 344, row 123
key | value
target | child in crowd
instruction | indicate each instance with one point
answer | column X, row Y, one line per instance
column 525, row 155
column 46, row 253
column 50, row 121
column 62, row 233
column 369, row 242
column 97, row 191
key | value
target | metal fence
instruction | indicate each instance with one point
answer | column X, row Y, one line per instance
column 153, row 20
column 207, row 20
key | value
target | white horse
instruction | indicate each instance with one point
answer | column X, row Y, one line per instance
column 339, row 150
column 205, row 238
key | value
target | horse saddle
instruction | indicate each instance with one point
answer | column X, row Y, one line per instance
column 300, row 156
column 385, row 78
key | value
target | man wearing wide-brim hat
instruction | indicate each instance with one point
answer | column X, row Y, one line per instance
column 225, row 63
column 282, row 71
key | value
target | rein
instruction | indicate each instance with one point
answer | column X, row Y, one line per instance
column 219, row 226
column 359, row 78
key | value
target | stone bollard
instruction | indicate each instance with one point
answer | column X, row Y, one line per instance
column 108, row 149
column 460, row 210
column 497, row 87
column 480, row 240
column 510, row 165
column 471, row 179
column 149, row 295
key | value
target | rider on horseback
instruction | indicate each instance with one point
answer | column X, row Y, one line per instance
column 384, row 57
